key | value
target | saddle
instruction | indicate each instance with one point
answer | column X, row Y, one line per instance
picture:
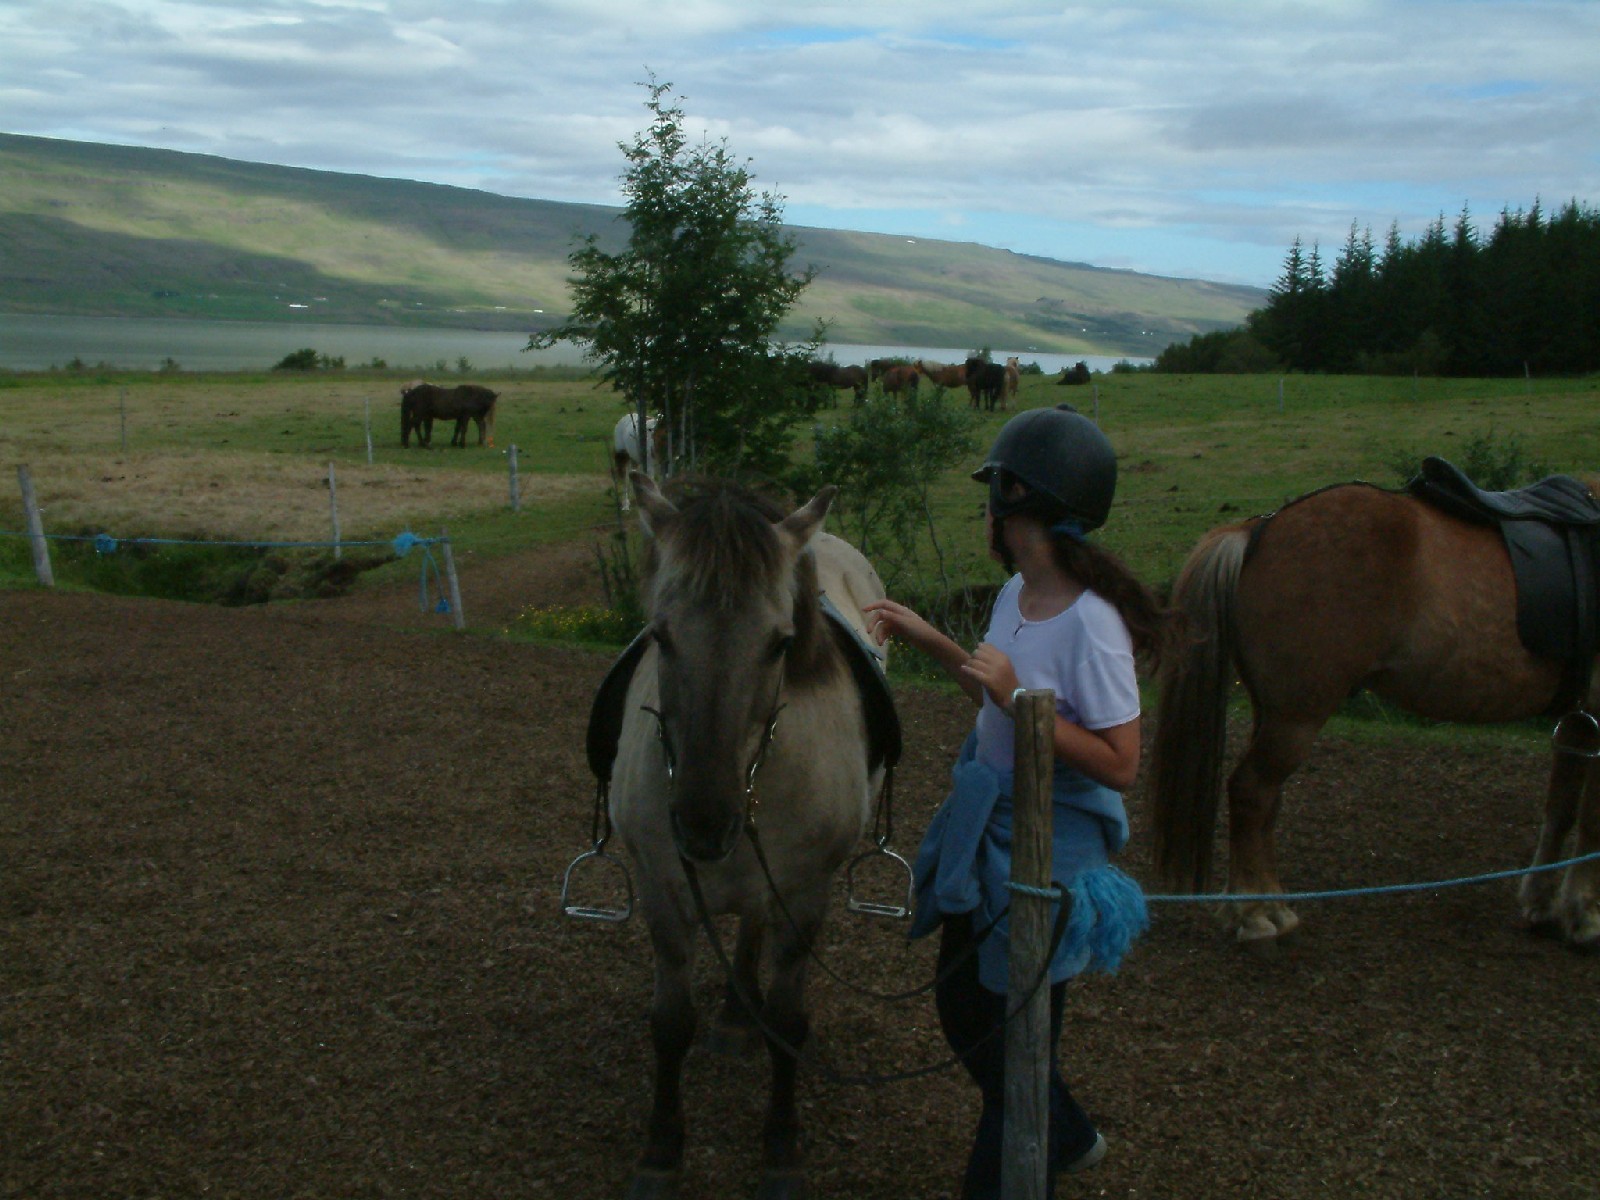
column 1552, row 532
column 884, row 744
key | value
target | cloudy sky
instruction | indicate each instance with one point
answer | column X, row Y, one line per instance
column 1177, row 138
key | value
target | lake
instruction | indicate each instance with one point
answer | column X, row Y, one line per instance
column 36, row 343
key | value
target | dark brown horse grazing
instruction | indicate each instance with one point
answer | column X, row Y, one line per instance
column 1350, row 587
column 1077, row 373
column 832, row 375
column 743, row 702
column 423, row 403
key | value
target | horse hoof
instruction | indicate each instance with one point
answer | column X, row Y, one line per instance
column 648, row 1184
column 781, row 1185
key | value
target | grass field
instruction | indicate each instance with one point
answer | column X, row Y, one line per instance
column 247, row 457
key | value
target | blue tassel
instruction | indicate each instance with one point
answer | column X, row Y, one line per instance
column 403, row 543
column 1108, row 914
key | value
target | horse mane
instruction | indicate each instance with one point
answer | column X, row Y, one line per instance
column 725, row 542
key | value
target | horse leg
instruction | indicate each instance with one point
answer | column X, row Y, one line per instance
column 734, row 1031
column 672, row 1027
column 1255, row 788
column 786, row 1024
column 1573, row 798
column 619, row 477
column 1580, row 890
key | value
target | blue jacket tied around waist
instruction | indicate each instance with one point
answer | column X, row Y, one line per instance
column 964, row 866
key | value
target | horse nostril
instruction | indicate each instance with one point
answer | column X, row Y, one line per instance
column 703, row 841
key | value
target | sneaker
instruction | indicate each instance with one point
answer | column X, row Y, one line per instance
column 1089, row 1159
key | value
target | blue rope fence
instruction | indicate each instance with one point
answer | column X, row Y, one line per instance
column 402, row 544
column 1383, row 890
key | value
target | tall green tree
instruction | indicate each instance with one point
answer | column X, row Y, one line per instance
column 683, row 319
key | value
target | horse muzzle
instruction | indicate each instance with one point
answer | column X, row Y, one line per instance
column 708, row 835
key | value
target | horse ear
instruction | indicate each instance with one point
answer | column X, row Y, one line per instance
column 803, row 522
column 656, row 509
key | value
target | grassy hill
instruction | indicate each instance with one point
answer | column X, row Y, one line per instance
column 99, row 230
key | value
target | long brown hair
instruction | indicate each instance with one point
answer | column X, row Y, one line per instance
column 1151, row 623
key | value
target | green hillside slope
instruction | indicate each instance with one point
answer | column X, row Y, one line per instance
column 100, row 230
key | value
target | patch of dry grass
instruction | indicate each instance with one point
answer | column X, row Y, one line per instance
column 250, row 497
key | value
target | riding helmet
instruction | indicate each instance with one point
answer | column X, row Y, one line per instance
column 1066, row 462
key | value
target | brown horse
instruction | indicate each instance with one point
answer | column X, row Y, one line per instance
column 1077, row 373
column 986, row 382
column 954, row 376
column 742, row 702
column 423, row 403
column 899, row 378
column 1351, row 587
column 1013, row 380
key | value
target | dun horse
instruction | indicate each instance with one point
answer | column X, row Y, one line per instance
column 743, row 702
column 1358, row 587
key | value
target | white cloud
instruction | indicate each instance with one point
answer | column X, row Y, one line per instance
column 1176, row 137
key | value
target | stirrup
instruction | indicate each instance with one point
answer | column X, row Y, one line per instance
column 587, row 912
column 872, row 908
column 1591, row 728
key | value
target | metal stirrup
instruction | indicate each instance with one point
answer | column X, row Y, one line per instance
column 601, row 832
column 872, row 908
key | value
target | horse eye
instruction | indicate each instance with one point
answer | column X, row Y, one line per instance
column 662, row 639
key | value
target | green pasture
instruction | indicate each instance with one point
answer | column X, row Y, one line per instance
column 1195, row 451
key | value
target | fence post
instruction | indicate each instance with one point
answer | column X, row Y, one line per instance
column 516, row 489
column 1026, row 1141
column 333, row 506
column 457, row 617
column 122, row 412
column 41, row 548
column 367, row 425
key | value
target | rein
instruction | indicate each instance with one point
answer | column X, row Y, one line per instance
column 1059, row 930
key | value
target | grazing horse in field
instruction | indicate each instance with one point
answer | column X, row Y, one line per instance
column 1416, row 596
column 954, row 376
column 1075, row 374
column 985, row 382
column 1013, row 380
column 899, row 378
column 832, row 375
column 628, row 455
column 743, row 697
column 423, row 403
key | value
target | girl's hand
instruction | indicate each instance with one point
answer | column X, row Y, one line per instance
column 889, row 618
column 993, row 670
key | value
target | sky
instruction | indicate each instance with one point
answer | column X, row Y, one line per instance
column 1180, row 139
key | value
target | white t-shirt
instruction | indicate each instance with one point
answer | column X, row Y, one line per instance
column 1084, row 654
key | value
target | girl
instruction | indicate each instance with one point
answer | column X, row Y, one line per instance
column 1071, row 618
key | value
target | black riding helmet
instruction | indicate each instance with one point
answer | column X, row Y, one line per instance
column 1063, row 458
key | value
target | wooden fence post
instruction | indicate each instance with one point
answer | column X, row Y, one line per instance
column 367, row 425
column 41, row 548
column 457, row 617
column 1026, row 1143
column 516, row 488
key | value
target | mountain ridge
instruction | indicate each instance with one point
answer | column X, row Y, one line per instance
column 102, row 230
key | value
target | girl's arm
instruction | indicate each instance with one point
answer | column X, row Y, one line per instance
column 888, row 618
column 1108, row 756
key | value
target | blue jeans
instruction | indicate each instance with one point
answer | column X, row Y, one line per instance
column 971, row 1017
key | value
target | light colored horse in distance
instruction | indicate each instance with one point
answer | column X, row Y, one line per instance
column 627, row 454
column 1351, row 587
column 743, row 703
column 1013, row 380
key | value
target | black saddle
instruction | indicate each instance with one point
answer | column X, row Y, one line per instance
column 1552, row 532
column 607, row 711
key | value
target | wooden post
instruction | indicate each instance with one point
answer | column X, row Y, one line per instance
column 516, row 489
column 457, row 617
column 1026, row 1145
column 1280, row 393
column 367, row 425
column 1096, row 403
column 333, row 506
column 41, row 548
column 122, row 410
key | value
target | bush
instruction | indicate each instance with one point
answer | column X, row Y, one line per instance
column 300, row 360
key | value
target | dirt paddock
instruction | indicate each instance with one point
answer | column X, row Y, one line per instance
column 278, row 918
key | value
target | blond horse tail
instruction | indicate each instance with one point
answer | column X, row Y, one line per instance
column 1191, row 726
